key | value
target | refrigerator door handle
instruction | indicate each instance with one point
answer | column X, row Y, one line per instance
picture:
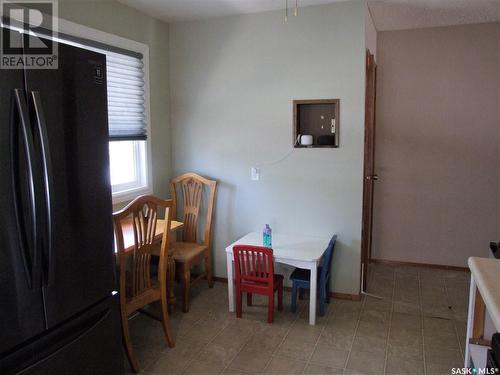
column 31, row 261
column 41, row 131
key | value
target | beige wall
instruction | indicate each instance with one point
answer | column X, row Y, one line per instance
column 118, row 19
column 438, row 144
column 233, row 80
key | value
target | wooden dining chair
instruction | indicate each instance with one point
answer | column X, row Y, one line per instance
column 254, row 273
column 139, row 286
column 190, row 252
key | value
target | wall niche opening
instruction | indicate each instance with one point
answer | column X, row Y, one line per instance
column 316, row 123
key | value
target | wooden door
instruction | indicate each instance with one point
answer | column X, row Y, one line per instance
column 369, row 176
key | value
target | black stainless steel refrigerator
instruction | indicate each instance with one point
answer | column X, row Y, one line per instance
column 58, row 309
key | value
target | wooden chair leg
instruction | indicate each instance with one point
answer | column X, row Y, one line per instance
column 165, row 320
column 249, row 299
column 239, row 296
column 127, row 343
column 171, row 284
column 280, row 298
column 270, row 309
column 208, row 270
column 295, row 291
column 186, row 285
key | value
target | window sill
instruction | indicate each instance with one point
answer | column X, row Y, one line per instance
column 129, row 195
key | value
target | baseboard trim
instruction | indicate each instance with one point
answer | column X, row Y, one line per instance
column 427, row 265
column 346, row 296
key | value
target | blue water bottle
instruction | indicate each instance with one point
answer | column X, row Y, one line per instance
column 267, row 235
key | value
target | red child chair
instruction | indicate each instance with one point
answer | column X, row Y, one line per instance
column 254, row 271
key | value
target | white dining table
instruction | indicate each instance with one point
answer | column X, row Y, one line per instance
column 295, row 250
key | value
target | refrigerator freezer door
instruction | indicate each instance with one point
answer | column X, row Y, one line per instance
column 79, row 262
column 21, row 307
column 88, row 344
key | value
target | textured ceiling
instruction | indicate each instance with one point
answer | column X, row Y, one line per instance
column 414, row 14
column 386, row 14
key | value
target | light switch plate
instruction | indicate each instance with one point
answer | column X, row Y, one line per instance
column 255, row 174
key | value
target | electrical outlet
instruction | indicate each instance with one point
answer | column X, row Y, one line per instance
column 255, row 174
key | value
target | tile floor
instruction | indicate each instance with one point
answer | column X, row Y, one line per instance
column 418, row 327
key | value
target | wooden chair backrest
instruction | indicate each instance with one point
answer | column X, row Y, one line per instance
column 253, row 263
column 143, row 213
column 192, row 186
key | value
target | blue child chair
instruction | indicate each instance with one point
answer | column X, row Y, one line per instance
column 300, row 279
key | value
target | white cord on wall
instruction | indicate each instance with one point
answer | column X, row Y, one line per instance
column 266, row 164
column 281, row 159
column 255, row 170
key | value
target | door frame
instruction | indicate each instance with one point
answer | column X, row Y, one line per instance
column 369, row 175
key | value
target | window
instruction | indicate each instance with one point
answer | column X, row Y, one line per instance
column 127, row 68
column 127, row 126
column 127, row 166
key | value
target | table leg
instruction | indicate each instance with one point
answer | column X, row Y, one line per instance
column 470, row 321
column 230, row 281
column 313, row 294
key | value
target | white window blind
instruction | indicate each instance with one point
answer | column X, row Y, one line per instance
column 125, row 79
